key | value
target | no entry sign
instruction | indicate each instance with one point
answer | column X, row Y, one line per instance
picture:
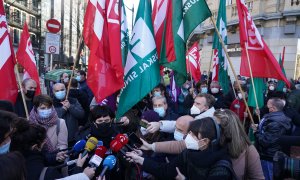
column 53, row 25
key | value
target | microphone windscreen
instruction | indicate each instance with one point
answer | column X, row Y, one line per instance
column 115, row 146
column 91, row 144
column 100, row 151
column 122, row 138
column 110, row 161
column 100, row 143
column 79, row 146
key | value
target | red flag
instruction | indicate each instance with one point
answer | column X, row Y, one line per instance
column 25, row 57
column 162, row 17
column 105, row 74
column 193, row 58
column 215, row 71
column 261, row 57
column 8, row 83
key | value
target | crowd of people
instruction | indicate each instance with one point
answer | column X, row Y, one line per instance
column 204, row 133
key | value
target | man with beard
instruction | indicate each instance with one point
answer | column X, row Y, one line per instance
column 28, row 88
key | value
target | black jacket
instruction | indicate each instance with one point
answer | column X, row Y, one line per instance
column 35, row 163
column 221, row 101
column 71, row 116
column 273, row 126
column 192, row 164
column 19, row 106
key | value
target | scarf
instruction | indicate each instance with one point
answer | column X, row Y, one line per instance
column 45, row 123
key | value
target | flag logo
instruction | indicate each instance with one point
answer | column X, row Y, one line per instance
column 4, row 41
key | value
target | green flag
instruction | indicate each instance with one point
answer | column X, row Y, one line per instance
column 223, row 62
column 259, row 88
column 124, row 34
column 141, row 72
column 173, row 29
column 194, row 12
column 281, row 83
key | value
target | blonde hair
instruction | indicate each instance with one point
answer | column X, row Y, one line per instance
column 232, row 132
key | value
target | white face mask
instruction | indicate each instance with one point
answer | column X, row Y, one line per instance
column 143, row 131
column 191, row 143
column 240, row 96
column 284, row 102
column 195, row 110
column 178, row 136
column 284, row 90
column 214, row 90
column 66, row 80
column 271, row 88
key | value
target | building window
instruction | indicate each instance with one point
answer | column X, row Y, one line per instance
column 32, row 22
column 250, row 6
column 233, row 11
column 16, row 36
column 16, row 16
column 23, row 19
column 228, row 2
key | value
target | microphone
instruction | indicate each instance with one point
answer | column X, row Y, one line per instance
column 98, row 156
column 108, row 163
column 100, row 143
column 90, row 145
column 116, row 146
column 79, row 146
column 123, row 139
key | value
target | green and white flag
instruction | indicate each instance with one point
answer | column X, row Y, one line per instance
column 223, row 61
column 124, row 34
column 259, row 89
column 141, row 72
column 194, row 12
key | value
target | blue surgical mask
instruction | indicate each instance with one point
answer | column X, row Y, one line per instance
column 157, row 94
column 204, row 90
column 160, row 111
column 44, row 113
column 5, row 148
column 178, row 136
column 60, row 94
column 78, row 78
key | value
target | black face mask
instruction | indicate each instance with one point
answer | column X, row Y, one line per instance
column 30, row 94
column 101, row 130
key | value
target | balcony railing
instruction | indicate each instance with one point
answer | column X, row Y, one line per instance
column 28, row 7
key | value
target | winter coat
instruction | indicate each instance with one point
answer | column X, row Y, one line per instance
column 19, row 106
column 71, row 116
column 83, row 99
column 84, row 87
column 271, row 128
column 192, row 164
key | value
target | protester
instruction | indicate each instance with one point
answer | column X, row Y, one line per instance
column 199, row 161
column 161, row 107
column 12, row 166
column 147, row 117
column 6, row 106
column 81, row 78
column 64, row 79
column 272, row 126
column 101, row 126
column 239, row 107
column 28, row 87
column 215, row 90
column 6, row 129
column 82, row 98
column 44, row 114
column 68, row 109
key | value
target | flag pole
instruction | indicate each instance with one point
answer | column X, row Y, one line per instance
column 187, row 50
column 252, row 81
column 22, row 93
column 231, row 66
column 209, row 67
column 80, row 46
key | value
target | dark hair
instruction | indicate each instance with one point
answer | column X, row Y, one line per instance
column 12, row 166
column 27, row 135
column 81, row 72
column 6, row 106
column 101, row 111
column 205, row 127
column 161, row 87
column 42, row 99
column 61, row 75
column 7, row 120
column 74, row 83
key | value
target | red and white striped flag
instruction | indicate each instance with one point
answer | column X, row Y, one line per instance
column 105, row 73
column 25, row 57
column 193, row 62
column 8, row 83
column 215, row 70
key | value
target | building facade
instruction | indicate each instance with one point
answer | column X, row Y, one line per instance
column 278, row 22
column 20, row 11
